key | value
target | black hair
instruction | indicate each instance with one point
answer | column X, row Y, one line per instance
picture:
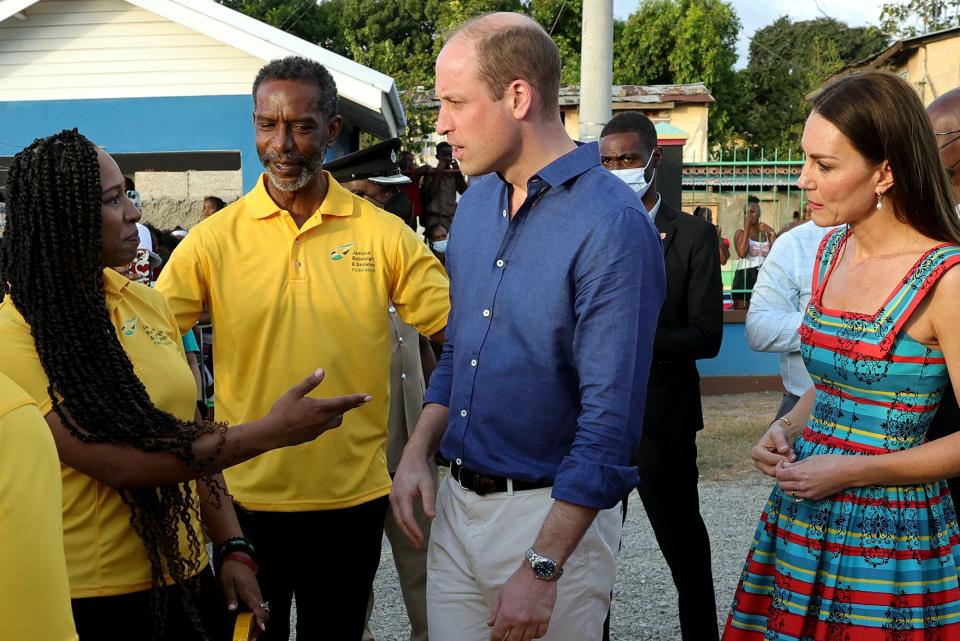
column 627, row 122
column 444, row 146
column 302, row 70
column 216, row 200
column 50, row 267
column 429, row 230
column 752, row 199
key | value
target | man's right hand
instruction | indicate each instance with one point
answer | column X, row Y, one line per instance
column 296, row 418
column 413, row 479
column 773, row 447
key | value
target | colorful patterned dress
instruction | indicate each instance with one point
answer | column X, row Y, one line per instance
column 870, row 563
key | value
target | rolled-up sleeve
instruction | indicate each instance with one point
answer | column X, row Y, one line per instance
column 620, row 286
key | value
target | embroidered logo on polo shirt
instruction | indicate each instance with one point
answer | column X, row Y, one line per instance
column 129, row 327
column 340, row 251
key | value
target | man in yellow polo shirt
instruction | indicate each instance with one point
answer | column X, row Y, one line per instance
column 300, row 271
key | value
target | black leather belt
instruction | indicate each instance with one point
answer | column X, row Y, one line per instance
column 483, row 484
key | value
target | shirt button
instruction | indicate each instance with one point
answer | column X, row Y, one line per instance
column 486, row 313
column 399, row 339
column 403, row 375
column 504, row 213
column 459, row 462
column 296, row 264
column 296, row 240
column 500, row 263
column 473, row 363
column 392, row 310
column 463, row 413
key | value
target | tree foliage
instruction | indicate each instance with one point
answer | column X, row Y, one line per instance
column 907, row 18
column 402, row 38
column 788, row 60
column 682, row 41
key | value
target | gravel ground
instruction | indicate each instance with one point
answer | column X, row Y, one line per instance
column 645, row 601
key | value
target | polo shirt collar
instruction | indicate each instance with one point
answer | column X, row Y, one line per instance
column 338, row 202
column 114, row 282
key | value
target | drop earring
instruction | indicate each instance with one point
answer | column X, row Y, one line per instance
column 879, row 200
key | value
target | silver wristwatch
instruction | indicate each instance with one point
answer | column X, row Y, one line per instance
column 543, row 568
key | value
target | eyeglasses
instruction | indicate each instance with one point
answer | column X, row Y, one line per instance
column 951, row 170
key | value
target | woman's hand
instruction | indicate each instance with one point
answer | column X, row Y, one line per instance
column 818, row 476
column 238, row 580
column 296, row 418
column 773, row 448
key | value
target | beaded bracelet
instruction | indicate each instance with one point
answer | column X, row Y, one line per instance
column 238, row 544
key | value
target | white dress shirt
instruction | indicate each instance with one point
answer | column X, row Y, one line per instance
column 779, row 299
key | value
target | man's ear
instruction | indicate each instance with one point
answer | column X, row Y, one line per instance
column 657, row 157
column 521, row 96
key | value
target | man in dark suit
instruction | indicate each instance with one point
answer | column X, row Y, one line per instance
column 690, row 327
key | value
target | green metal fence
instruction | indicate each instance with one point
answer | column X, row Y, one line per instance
column 724, row 184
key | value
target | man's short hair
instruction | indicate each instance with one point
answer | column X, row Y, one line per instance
column 443, row 146
column 633, row 122
column 302, row 70
column 753, row 199
column 516, row 52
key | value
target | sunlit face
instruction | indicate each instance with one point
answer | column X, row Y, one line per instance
column 840, row 184
column 118, row 215
column 623, row 151
column 483, row 132
column 291, row 135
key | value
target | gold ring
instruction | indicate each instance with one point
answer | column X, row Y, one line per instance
column 795, row 497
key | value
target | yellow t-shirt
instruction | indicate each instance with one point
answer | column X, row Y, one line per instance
column 285, row 301
column 105, row 556
column 33, row 574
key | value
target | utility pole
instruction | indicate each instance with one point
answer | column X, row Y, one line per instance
column 596, row 67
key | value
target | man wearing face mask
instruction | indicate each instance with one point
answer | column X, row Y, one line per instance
column 690, row 327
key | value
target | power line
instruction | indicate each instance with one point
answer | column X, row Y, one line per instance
column 296, row 14
column 557, row 19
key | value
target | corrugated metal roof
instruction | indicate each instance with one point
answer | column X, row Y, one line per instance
column 569, row 95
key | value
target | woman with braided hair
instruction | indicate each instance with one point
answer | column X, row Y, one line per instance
column 102, row 358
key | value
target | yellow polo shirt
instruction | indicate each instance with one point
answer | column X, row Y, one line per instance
column 33, row 574
column 285, row 301
column 105, row 556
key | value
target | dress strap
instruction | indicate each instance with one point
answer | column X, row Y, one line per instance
column 826, row 254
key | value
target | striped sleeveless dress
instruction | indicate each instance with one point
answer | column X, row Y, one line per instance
column 869, row 563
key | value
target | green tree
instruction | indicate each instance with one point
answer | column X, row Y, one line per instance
column 788, row 60
column 402, row 38
column 907, row 18
column 682, row 41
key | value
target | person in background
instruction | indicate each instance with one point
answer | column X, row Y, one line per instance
column 690, row 327
column 724, row 243
column 440, row 187
column 752, row 243
column 364, row 173
column 436, row 236
column 319, row 267
column 211, row 205
column 408, row 165
column 373, row 174
column 537, row 403
column 778, row 304
column 33, row 570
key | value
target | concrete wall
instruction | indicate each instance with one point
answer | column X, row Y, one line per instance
column 172, row 199
column 933, row 69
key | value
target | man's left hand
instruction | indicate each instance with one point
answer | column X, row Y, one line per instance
column 524, row 606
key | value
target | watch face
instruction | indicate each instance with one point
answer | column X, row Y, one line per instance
column 544, row 568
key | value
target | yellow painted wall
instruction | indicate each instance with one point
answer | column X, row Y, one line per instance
column 933, row 69
column 691, row 118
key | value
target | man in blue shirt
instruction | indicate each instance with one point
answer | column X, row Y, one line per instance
column 557, row 279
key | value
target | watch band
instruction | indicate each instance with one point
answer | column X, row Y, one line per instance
column 544, row 568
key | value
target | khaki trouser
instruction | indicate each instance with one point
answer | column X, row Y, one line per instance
column 411, row 566
column 478, row 542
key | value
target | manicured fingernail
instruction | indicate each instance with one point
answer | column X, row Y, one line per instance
column 367, row 398
column 263, row 626
column 231, row 606
column 318, row 372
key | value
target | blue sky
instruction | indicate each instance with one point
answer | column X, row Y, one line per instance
column 755, row 14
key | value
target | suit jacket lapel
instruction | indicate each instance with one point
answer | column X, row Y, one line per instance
column 666, row 225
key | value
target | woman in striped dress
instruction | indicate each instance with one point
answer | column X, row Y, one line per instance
column 859, row 540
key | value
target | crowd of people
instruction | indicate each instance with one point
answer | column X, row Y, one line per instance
column 571, row 303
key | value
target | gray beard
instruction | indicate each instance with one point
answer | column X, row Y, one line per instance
column 306, row 175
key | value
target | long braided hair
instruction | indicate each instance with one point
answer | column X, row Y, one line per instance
column 50, row 266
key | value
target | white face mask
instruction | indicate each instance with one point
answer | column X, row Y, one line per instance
column 636, row 177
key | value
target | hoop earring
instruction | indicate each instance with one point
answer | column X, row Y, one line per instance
column 879, row 200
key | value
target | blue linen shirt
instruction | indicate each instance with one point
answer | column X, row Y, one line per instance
column 551, row 330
